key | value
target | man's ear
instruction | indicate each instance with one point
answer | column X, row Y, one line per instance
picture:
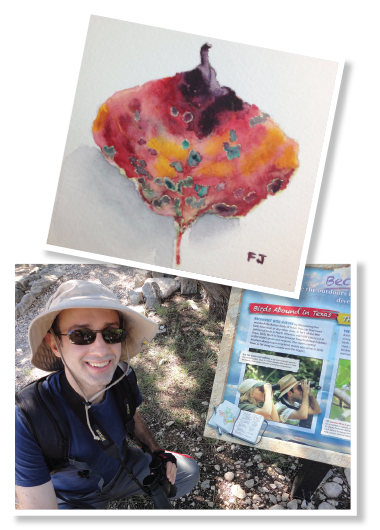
column 50, row 340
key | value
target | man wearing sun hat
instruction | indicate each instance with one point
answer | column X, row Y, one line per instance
column 85, row 335
column 296, row 405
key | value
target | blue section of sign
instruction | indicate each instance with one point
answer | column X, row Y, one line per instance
column 322, row 289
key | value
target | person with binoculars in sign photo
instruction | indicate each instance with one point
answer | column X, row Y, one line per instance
column 296, row 404
column 72, row 425
column 252, row 393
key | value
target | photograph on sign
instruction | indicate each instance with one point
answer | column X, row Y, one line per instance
column 290, row 363
column 194, row 154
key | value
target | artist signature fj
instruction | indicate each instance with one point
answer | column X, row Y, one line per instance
column 260, row 259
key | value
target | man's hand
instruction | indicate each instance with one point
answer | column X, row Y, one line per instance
column 143, row 434
column 171, row 472
column 170, row 462
column 305, row 385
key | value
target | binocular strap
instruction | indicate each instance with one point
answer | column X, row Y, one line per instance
column 104, row 440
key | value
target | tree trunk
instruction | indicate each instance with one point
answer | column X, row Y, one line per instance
column 218, row 297
column 341, row 394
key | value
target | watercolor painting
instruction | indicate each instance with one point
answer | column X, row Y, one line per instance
column 194, row 155
column 194, row 147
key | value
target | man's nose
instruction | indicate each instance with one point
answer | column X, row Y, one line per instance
column 100, row 343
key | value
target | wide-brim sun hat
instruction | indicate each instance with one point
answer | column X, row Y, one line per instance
column 79, row 294
column 249, row 383
column 287, row 383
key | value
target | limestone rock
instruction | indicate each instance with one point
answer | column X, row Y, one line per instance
column 229, row 476
column 140, row 277
column 169, row 423
column 151, row 293
column 18, row 295
column 250, row 483
column 157, row 274
column 53, row 275
column 205, row 485
column 237, row 491
column 39, row 286
column 285, row 497
column 33, row 276
column 25, row 304
column 338, row 480
column 328, row 475
column 221, row 448
column 21, row 286
column 326, row 506
column 217, row 467
column 277, row 507
column 166, row 286
column 332, row 489
column 272, row 499
column 292, row 505
column 136, row 296
column 152, row 302
column 150, row 288
column 188, row 286
column 347, row 472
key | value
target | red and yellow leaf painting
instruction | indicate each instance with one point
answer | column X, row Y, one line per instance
column 193, row 147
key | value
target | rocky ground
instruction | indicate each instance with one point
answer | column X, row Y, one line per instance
column 176, row 377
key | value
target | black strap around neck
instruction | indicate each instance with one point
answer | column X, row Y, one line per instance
column 284, row 402
column 77, row 405
column 106, row 443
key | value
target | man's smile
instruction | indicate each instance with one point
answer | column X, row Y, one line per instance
column 98, row 366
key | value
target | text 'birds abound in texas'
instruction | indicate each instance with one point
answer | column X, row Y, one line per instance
column 194, row 147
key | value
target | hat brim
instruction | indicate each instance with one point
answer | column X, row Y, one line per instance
column 289, row 387
column 140, row 330
column 256, row 385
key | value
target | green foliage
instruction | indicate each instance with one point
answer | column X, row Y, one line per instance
column 343, row 377
column 308, row 368
column 343, row 380
column 335, row 412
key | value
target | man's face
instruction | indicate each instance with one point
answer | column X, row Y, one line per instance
column 297, row 393
column 93, row 364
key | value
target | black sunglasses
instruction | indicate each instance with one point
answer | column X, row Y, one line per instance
column 84, row 336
